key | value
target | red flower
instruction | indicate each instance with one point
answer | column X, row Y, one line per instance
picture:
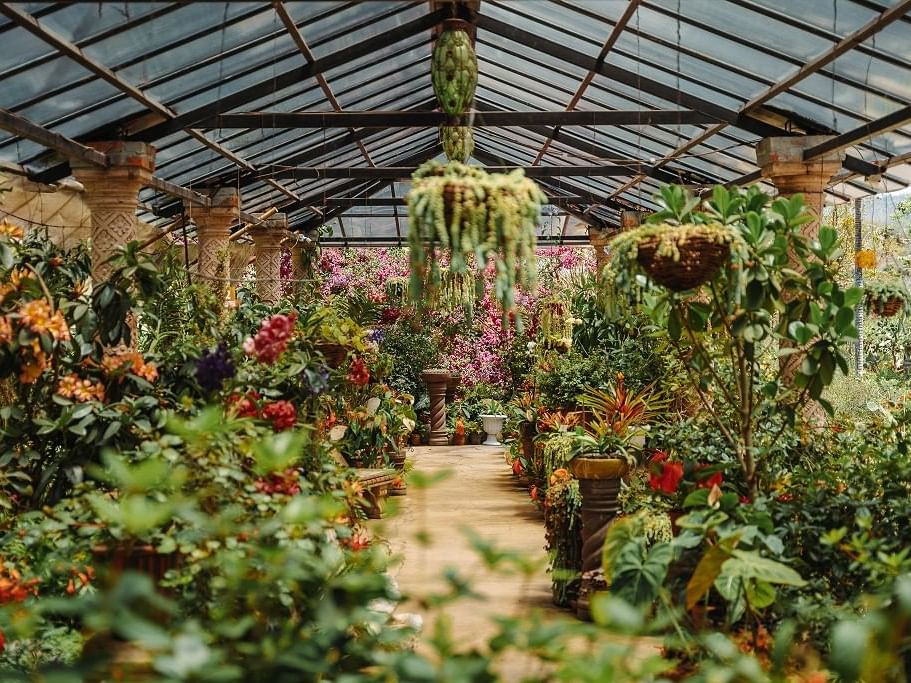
column 533, row 494
column 244, row 406
column 667, row 475
column 745, row 500
column 359, row 374
column 287, row 482
column 517, row 467
column 282, row 414
column 2, row 642
column 272, row 338
column 715, row 479
column 785, row 498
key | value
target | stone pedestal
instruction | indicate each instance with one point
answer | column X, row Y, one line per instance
column 213, row 230
column 781, row 161
column 599, row 240
column 599, row 484
column 436, row 386
column 111, row 193
column 267, row 241
column 452, row 386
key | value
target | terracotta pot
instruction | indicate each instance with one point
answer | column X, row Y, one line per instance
column 458, row 439
column 599, row 484
column 415, row 438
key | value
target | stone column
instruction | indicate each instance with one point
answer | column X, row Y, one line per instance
column 436, row 387
column 598, row 240
column 630, row 219
column 267, row 242
column 781, row 161
column 213, row 230
column 111, row 195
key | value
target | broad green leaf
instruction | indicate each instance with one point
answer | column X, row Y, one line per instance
column 706, row 572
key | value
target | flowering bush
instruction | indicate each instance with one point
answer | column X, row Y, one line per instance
column 272, row 338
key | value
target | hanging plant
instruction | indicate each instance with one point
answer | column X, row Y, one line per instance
column 457, row 291
column 865, row 259
column 458, row 142
column 396, row 290
column 886, row 296
column 466, row 211
column 454, row 68
column 680, row 248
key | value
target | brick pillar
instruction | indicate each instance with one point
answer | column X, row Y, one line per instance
column 267, row 244
column 781, row 161
column 598, row 240
column 213, row 229
column 111, row 194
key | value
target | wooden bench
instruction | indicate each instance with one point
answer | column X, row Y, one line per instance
column 376, row 483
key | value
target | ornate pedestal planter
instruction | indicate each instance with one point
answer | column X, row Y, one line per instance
column 527, row 431
column 436, row 386
column 599, row 484
column 493, row 425
column 399, row 488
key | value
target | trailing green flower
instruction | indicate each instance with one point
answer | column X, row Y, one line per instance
column 466, row 211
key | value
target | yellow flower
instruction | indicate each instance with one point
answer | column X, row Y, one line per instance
column 865, row 259
column 11, row 230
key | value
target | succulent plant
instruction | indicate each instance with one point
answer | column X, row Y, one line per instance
column 458, row 142
column 454, row 69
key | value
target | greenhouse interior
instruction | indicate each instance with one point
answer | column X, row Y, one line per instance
column 283, row 282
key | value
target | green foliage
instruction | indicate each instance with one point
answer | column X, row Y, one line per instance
column 412, row 352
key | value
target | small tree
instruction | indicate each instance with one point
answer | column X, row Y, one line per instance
column 777, row 298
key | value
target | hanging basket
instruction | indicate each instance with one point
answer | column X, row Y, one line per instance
column 697, row 260
column 885, row 308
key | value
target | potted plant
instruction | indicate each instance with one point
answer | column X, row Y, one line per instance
column 678, row 250
column 886, row 296
column 493, row 418
column 336, row 336
column 602, row 456
column 458, row 433
column 472, row 215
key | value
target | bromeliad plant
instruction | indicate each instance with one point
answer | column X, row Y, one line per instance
column 766, row 334
column 618, row 420
column 469, row 213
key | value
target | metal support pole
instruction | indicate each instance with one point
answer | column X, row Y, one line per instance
column 858, row 282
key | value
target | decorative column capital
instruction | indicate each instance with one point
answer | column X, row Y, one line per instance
column 599, row 239
column 267, row 243
column 781, row 160
column 213, row 230
column 111, row 195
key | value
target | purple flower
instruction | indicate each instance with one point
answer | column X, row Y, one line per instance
column 376, row 336
column 214, row 367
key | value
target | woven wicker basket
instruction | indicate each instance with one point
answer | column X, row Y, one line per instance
column 886, row 308
column 700, row 260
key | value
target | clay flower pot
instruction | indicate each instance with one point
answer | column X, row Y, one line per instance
column 493, row 425
column 599, row 484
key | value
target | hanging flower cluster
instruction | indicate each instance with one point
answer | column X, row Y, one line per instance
column 214, row 367
column 74, row 387
column 40, row 319
column 272, row 338
column 865, row 259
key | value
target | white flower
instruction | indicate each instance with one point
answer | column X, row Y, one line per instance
column 531, row 345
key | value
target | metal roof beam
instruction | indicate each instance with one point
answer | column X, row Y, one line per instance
column 619, row 27
column 291, row 77
column 432, row 119
column 882, row 125
column 404, row 172
column 401, row 201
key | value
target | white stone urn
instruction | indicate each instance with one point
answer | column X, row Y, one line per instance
column 493, row 425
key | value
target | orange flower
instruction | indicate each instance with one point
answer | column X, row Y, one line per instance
column 82, row 390
column 11, row 230
column 32, row 369
column 865, row 258
column 130, row 361
column 37, row 316
column 6, row 330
